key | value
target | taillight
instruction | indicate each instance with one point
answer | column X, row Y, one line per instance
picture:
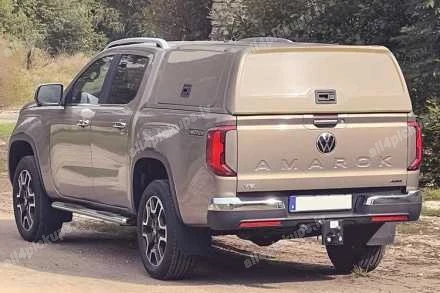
column 415, row 165
column 389, row 218
column 260, row 224
column 216, row 151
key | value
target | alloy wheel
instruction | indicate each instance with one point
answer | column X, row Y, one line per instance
column 154, row 231
column 26, row 200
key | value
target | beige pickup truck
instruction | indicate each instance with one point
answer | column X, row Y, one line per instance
column 261, row 138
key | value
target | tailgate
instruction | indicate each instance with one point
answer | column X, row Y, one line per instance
column 305, row 152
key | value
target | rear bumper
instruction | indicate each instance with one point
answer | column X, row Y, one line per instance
column 233, row 213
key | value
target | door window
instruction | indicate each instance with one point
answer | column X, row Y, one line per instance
column 127, row 79
column 89, row 87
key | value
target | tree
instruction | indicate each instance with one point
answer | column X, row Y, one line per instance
column 122, row 19
column 431, row 164
column 419, row 52
column 68, row 26
column 179, row 19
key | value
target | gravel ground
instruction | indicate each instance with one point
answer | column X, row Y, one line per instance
column 102, row 257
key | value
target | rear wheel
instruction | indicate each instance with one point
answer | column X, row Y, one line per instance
column 162, row 236
column 347, row 257
column 35, row 218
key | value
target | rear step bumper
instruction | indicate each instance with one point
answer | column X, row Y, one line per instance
column 235, row 213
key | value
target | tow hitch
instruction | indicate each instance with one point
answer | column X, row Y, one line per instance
column 332, row 233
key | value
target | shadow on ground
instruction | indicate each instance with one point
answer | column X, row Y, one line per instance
column 112, row 254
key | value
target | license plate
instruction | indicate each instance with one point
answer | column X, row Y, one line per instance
column 317, row 203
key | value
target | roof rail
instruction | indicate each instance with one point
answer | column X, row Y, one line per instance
column 265, row 40
column 161, row 43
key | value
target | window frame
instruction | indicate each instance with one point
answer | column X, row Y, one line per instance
column 140, row 87
column 105, row 85
column 110, row 75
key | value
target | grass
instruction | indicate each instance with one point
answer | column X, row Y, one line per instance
column 359, row 273
column 18, row 83
column 431, row 212
column 431, row 193
column 6, row 130
column 415, row 228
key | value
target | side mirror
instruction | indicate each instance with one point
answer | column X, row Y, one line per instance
column 49, row 94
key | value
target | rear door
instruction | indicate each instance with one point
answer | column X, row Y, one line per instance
column 328, row 117
column 111, row 131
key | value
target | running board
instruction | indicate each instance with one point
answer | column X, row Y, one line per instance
column 100, row 215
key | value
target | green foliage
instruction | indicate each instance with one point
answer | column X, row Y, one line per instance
column 431, row 166
column 180, row 20
column 418, row 51
column 55, row 25
column 68, row 26
column 15, row 20
column 61, row 26
column 121, row 18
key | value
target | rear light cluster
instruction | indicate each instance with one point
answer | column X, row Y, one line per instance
column 417, row 131
column 250, row 224
column 260, row 224
column 389, row 218
column 216, row 151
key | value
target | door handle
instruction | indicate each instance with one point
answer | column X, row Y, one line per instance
column 325, row 122
column 119, row 125
column 83, row 123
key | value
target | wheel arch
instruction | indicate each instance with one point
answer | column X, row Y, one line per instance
column 21, row 145
column 147, row 167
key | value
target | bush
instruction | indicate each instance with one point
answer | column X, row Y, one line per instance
column 431, row 137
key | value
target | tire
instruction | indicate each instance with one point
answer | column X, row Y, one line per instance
column 35, row 218
column 264, row 241
column 162, row 236
column 347, row 257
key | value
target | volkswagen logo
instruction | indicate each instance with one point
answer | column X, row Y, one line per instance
column 326, row 143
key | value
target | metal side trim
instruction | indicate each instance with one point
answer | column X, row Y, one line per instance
column 237, row 204
column 410, row 197
column 100, row 215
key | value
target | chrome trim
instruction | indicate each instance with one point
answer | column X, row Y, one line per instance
column 161, row 43
column 237, row 204
column 100, row 215
column 120, row 125
column 410, row 197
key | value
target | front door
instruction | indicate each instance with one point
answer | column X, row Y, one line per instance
column 70, row 147
column 70, row 153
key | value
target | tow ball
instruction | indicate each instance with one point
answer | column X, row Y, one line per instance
column 332, row 233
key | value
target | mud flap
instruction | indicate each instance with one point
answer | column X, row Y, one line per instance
column 194, row 241
column 384, row 235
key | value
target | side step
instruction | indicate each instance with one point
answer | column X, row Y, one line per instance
column 100, row 215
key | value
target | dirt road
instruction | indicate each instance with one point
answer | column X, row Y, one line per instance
column 99, row 257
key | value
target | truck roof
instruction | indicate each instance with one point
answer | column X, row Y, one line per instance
column 258, row 44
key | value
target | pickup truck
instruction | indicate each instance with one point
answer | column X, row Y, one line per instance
column 262, row 138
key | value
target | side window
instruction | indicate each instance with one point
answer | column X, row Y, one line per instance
column 89, row 87
column 127, row 79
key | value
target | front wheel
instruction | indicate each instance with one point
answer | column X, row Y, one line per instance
column 347, row 257
column 35, row 218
